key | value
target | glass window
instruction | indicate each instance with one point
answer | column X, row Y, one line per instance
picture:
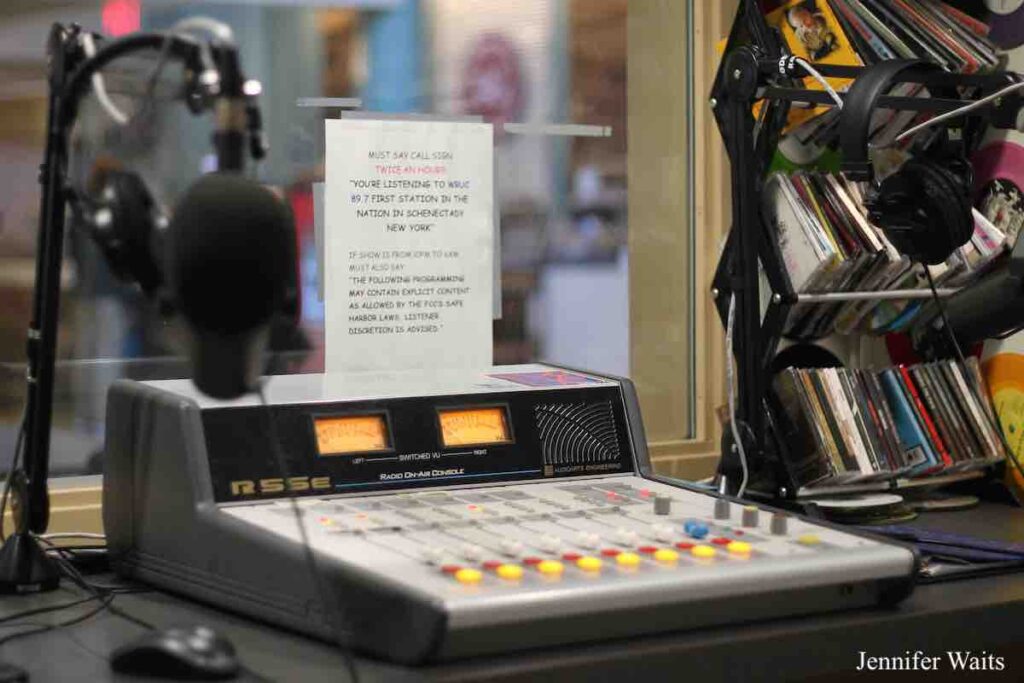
column 601, row 266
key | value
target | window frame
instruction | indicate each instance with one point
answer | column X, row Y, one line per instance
column 680, row 387
column 677, row 355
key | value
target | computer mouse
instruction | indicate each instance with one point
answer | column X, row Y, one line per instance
column 184, row 654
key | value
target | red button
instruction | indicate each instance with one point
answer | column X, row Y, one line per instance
column 646, row 493
column 610, row 552
column 571, row 557
column 450, row 568
column 721, row 540
column 531, row 560
column 648, row 549
column 737, row 532
column 493, row 564
column 683, row 545
column 612, row 495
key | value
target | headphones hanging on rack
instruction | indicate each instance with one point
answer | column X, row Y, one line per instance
column 924, row 207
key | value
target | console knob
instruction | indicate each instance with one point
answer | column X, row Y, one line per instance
column 587, row 540
column 750, row 515
column 662, row 505
column 723, row 508
column 549, row 543
column 779, row 524
column 510, row 547
column 625, row 536
column 432, row 555
column 471, row 552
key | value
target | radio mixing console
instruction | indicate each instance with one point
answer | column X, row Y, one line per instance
column 452, row 515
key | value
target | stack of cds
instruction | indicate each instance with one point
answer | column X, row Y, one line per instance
column 844, row 425
column 828, row 244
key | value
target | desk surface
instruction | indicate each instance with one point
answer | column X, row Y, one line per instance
column 980, row 614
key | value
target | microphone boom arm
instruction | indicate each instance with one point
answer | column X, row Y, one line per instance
column 24, row 566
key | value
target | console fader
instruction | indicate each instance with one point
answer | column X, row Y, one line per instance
column 453, row 515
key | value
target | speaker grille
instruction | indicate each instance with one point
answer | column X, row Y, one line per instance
column 577, row 433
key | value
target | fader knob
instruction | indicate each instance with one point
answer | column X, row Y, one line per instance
column 432, row 555
column 625, row 536
column 750, row 516
column 723, row 508
column 549, row 543
column 510, row 547
column 587, row 540
column 779, row 524
column 662, row 505
column 471, row 552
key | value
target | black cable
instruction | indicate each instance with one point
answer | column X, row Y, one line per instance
column 333, row 617
column 18, row 445
column 108, row 595
column 42, row 628
column 45, row 610
column 970, row 376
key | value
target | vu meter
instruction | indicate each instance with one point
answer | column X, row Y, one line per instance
column 348, row 434
column 474, row 426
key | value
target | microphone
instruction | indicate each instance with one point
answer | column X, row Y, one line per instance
column 231, row 270
column 230, row 114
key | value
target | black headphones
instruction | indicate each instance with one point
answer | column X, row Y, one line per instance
column 123, row 219
column 925, row 207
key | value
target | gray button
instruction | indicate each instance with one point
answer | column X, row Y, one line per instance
column 723, row 508
column 779, row 524
column 750, row 515
column 662, row 505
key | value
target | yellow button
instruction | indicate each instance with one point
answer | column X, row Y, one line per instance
column 808, row 539
column 510, row 571
column 666, row 555
column 468, row 576
column 738, row 548
column 550, row 567
column 589, row 564
column 702, row 551
column 627, row 559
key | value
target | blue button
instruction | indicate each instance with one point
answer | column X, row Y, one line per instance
column 695, row 529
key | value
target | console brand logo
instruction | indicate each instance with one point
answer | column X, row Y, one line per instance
column 248, row 487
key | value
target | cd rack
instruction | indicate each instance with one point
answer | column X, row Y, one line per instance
column 750, row 73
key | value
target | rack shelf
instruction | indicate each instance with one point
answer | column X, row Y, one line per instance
column 750, row 72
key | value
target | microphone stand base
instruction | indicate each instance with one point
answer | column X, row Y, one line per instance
column 25, row 567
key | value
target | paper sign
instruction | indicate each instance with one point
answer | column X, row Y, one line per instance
column 409, row 233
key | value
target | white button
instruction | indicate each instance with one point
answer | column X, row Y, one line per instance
column 549, row 543
column 471, row 552
column 510, row 547
column 625, row 536
column 587, row 540
column 432, row 555
column 662, row 532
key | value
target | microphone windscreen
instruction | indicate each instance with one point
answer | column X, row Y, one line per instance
column 231, row 251
column 231, row 269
